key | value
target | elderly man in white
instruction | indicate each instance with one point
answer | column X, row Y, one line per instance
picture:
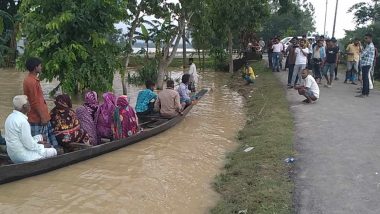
column 21, row 146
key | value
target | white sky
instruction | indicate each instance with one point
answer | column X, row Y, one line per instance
column 344, row 20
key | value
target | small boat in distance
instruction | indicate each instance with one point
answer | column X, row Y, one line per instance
column 151, row 127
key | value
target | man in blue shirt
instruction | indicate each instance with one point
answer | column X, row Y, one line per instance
column 366, row 61
column 146, row 99
column 184, row 92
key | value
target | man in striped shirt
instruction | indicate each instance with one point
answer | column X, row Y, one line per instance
column 367, row 58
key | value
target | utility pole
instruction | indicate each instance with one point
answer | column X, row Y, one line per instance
column 336, row 11
column 324, row 31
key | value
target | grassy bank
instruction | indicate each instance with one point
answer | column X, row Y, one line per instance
column 259, row 181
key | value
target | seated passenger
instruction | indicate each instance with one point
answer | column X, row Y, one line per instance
column 103, row 117
column 86, row 116
column 145, row 99
column 21, row 146
column 125, row 123
column 66, row 125
column 249, row 74
column 184, row 92
column 168, row 102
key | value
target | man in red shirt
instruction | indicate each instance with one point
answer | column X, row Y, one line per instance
column 38, row 117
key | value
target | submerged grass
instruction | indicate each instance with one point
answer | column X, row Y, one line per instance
column 259, row 181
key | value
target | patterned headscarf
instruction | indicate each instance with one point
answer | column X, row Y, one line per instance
column 91, row 98
column 125, row 120
column 108, row 106
column 91, row 103
column 63, row 101
column 122, row 101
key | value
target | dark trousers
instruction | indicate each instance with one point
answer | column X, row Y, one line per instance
column 365, row 71
column 270, row 59
column 290, row 74
column 317, row 70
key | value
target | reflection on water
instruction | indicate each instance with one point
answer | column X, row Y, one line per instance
column 169, row 173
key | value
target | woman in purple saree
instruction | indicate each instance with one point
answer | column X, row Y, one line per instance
column 86, row 116
column 104, row 116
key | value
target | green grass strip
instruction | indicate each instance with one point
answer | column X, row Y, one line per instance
column 259, row 181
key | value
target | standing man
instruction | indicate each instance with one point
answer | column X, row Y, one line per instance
column 270, row 53
column 353, row 54
column 318, row 56
column 367, row 58
column 38, row 117
column 193, row 75
column 330, row 62
column 277, row 49
column 291, row 52
column 301, row 60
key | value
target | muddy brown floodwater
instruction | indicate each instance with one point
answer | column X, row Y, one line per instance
column 169, row 173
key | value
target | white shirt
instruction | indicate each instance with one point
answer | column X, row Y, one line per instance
column 309, row 82
column 21, row 146
column 277, row 48
column 301, row 59
column 193, row 73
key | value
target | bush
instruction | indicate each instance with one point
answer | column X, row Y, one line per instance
column 148, row 72
column 219, row 57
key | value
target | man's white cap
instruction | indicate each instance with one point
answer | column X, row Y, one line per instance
column 19, row 101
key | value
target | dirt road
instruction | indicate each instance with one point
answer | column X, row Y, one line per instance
column 338, row 146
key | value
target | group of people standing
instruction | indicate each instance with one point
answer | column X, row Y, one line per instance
column 32, row 132
column 322, row 58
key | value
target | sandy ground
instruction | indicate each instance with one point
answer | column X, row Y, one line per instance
column 338, row 151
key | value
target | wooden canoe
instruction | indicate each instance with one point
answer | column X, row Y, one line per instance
column 156, row 125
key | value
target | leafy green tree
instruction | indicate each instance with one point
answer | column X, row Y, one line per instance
column 74, row 40
column 367, row 21
column 9, row 28
column 200, row 29
column 168, row 36
column 365, row 12
column 231, row 18
column 289, row 18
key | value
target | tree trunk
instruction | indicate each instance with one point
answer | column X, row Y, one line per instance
column 199, row 58
column 161, row 74
column 147, row 50
column 122, row 75
column 184, row 48
column 203, row 60
column 129, row 45
column 231, row 61
column 168, row 57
